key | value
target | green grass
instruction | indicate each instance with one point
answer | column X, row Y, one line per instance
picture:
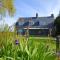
column 35, row 48
column 46, row 40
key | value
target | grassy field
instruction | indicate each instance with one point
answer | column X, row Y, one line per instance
column 46, row 40
column 18, row 48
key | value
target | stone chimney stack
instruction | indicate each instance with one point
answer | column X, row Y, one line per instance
column 59, row 13
column 36, row 15
column 52, row 15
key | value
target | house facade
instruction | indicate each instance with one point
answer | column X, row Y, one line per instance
column 41, row 26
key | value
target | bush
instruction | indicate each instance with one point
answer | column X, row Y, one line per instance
column 57, row 26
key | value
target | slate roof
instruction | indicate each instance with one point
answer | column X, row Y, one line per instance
column 42, row 22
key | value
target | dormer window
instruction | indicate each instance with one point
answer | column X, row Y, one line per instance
column 31, row 23
column 36, row 23
column 17, row 23
column 21, row 23
column 42, row 23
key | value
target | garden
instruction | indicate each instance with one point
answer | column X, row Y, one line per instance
column 16, row 47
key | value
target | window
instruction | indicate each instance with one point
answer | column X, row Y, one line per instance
column 36, row 23
column 42, row 23
column 21, row 23
column 31, row 23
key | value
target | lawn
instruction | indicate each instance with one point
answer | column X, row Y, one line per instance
column 46, row 40
column 18, row 48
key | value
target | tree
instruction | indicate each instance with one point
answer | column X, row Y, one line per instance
column 57, row 25
column 57, row 33
column 6, row 6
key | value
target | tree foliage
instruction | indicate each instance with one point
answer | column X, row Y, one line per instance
column 57, row 25
column 7, row 6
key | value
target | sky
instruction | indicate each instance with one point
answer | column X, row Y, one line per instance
column 29, row 8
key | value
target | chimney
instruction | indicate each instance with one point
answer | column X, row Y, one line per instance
column 59, row 13
column 52, row 15
column 36, row 15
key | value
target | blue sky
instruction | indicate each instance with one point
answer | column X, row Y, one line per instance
column 28, row 8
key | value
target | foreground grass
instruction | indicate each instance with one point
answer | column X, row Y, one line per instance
column 33, row 49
